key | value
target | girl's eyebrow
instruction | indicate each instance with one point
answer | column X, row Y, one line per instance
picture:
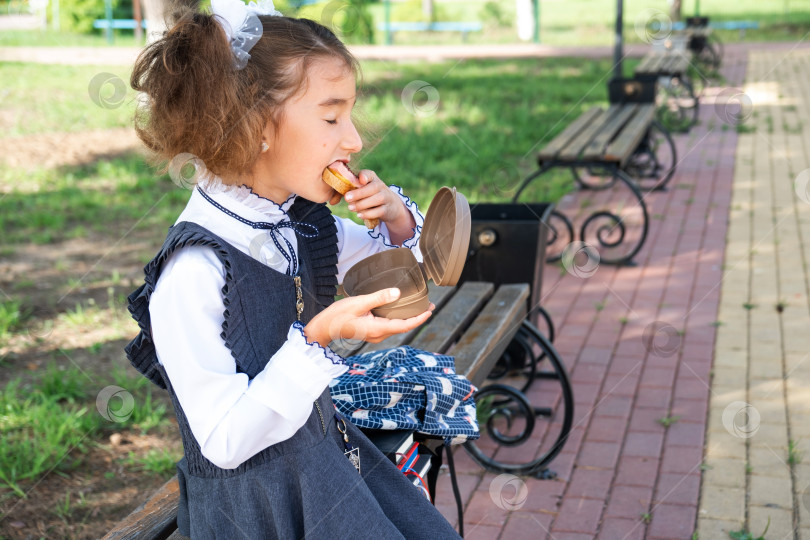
column 331, row 102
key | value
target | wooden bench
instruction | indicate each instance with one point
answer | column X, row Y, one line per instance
column 678, row 104
column 606, row 146
column 464, row 27
column 474, row 322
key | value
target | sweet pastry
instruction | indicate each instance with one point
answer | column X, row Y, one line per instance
column 342, row 180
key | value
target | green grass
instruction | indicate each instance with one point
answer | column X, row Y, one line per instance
column 490, row 120
column 160, row 462
column 50, row 424
column 492, row 116
column 49, row 205
column 667, row 421
column 744, row 534
column 10, row 318
column 40, row 98
column 53, row 38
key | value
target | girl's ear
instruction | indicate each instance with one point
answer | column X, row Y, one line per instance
column 268, row 134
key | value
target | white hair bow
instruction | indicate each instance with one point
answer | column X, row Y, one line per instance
column 241, row 24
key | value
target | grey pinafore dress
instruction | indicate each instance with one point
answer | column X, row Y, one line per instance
column 303, row 487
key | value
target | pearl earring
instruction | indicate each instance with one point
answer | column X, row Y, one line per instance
column 265, row 147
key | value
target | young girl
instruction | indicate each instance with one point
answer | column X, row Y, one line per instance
column 237, row 310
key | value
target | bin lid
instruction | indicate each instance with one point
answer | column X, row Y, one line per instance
column 446, row 236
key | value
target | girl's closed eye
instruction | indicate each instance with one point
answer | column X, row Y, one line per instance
column 333, row 122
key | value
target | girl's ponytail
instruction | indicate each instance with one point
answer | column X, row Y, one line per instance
column 195, row 102
column 190, row 91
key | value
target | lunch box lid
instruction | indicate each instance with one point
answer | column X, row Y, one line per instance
column 446, row 236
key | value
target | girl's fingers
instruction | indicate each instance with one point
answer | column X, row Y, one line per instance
column 336, row 198
column 372, row 201
column 389, row 327
column 366, row 302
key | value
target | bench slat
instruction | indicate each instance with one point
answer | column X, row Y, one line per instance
column 450, row 322
column 490, row 333
column 559, row 142
column 618, row 119
column 646, row 64
column 574, row 150
column 156, row 518
column 630, row 137
column 438, row 295
column 657, row 60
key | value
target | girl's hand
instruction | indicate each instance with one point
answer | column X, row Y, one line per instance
column 374, row 200
column 351, row 318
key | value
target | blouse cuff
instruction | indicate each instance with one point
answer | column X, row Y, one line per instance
column 298, row 370
column 325, row 357
column 381, row 234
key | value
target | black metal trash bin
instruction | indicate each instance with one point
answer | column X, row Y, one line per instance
column 508, row 244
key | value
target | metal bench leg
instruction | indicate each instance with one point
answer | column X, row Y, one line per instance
column 678, row 110
column 513, row 404
column 605, row 230
column 653, row 163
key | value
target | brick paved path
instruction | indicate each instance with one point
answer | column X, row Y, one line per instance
column 759, row 414
column 624, row 474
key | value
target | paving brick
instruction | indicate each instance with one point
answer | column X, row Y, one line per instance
column 598, row 455
column 544, row 496
column 622, row 529
column 717, row 502
column 590, row 483
column 621, row 385
column 653, row 398
column 691, row 388
column 480, row 531
column 527, row 525
column 564, row 535
column 637, row 471
column 606, row 429
column 614, row 405
column 672, row 521
column 658, row 377
column 690, row 410
column 725, row 472
column 643, row 444
column 563, row 464
column 717, row 528
column 485, row 509
column 645, row 419
column 578, row 515
column 629, row 501
column 588, row 373
column 770, row 492
column 766, row 461
column 675, row 488
column 685, row 434
column 681, row 459
column 595, row 355
column 781, row 521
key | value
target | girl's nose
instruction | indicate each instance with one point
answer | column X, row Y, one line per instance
column 352, row 142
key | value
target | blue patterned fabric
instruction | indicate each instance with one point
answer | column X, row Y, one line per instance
column 405, row 388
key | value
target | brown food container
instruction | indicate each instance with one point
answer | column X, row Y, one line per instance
column 444, row 243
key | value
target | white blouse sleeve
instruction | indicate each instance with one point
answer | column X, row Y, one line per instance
column 231, row 416
column 356, row 242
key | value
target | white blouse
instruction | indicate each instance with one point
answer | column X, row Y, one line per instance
column 231, row 416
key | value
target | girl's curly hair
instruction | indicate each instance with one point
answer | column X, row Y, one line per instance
column 196, row 102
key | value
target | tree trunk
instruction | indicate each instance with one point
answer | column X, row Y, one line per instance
column 155, row 15
column 427, row 9
column 675, row 10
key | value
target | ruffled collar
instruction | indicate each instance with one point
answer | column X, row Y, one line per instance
column 246, row 203
column 246, row 196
